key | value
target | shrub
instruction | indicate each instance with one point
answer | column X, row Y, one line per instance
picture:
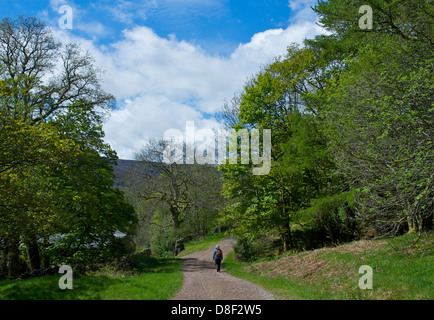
column 163, row 243
column 258, row 248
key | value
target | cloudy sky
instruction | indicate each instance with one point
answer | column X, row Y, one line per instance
column 172, row 61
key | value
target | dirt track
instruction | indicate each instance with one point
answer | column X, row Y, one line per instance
column 203, row 282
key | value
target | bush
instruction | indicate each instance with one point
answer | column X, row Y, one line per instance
column 126, row 263
column 60, row 253
column 163, row 243
column 262, row 247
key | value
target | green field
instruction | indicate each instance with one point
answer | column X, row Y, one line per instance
column 156, row 279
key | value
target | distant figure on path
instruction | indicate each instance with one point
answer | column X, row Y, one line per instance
column 218, row 257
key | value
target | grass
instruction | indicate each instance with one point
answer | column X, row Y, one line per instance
column 202, row 244
column 400, row 272
column 283, row 288
column 156, row 279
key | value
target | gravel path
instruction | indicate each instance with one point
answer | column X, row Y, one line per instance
column 203, row 282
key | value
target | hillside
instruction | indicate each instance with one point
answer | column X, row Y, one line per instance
column 123, row 167
column 129, row 167
column 402, row 270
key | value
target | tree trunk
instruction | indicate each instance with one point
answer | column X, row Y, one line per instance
column 427, row 221
column 45, row 258
column 14, row 266
column 286, row 234
column 32, row 250
column 3, row 263
column 349, row 223
column 175, row 219
column 330, row 231
column 287, row 240
column 414, row 224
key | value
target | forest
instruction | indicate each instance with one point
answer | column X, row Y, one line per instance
column 351, row 117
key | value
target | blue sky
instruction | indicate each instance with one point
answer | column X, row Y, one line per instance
column 217, row 26
column 172, row 61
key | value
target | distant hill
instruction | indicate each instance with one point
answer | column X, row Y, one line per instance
column 123, row 167
column 126, row 167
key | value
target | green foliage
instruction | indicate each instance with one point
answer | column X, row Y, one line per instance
column 351, row 116
column 173, row 201
column 163, row 242
column 302, row 167
column 56, row 172
column 260, row 247
column 379, row 121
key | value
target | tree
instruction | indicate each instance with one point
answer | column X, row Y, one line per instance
column 281, row 98
column 28, row 155
column 206, row 199
column 379, row 113
column 90, row 211
column 228, row 117
column 351, row 117
column 42, row 76
column 174, row 200
column 56, row 172
column 408, row 20
column 181, row 187
column 167, row 181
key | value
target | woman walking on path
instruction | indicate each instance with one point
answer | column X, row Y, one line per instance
column 200, row 279
column 217, row 257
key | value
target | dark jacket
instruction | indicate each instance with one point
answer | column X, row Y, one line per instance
column 214, row 255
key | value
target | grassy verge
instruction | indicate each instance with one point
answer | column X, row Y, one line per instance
column 400, row 272
column 281, row 287
column 156, row 279
column 202, row 244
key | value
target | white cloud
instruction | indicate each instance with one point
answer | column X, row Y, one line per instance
column 147, row 117
column 56, row 4
column 272, row 43
column 95, row 29
column 303, row 10
column 295, row 4
column 164, row 82
column 125, row 11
